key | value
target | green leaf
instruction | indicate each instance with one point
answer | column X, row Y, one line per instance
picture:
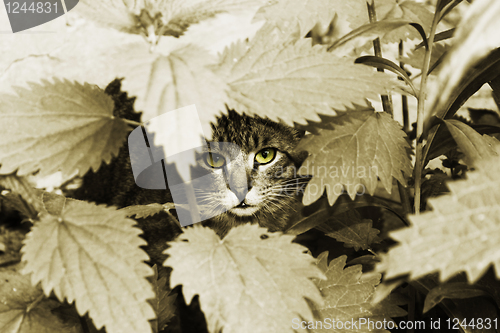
column 362, row 147
column 24, row 309
column 351, row 230
column 164, row 302
column 410, row 10
column 361, row 35
column 164, row 83
column 476, row 36
column 251, row 281
column 288, row 14
column 61, row 126
column 470, row 142
column 348, row 295
column 22, row 187
column 416, row 58
column 118, row 14
column 142, row 211
column 460, row 234
column 90, row 254
column 295, row 80
column 53, row 203
column 382, row 63
column 453, row 290
column 164, row 17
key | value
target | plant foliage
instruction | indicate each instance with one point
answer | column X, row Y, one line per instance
column 77, row 266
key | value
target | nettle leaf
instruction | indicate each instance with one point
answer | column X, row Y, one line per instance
column 164, row 83
column 90, row 254
column 164, row 17
column 461, row 233
column 295, row 80
column 60, row 126
column 416, row 57
column 411, row 10
column 142, row 211
column 164, row 302
column 474, row 146
column 251, row 281
column 475, row 38
column 122, row 15
column 22, row 187
column 350, row 229
column 24, row 308
column 363, row 147
column 288, row 14
column 348, row 296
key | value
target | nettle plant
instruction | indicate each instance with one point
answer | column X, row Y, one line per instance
column 75, row 266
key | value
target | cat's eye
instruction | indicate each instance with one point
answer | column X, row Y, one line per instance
column 215, row 160
column 265, row 156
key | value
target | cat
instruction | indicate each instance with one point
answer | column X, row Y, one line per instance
column 257, row 183
column 253, row 179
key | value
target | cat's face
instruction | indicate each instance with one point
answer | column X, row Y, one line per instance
column 249, row 173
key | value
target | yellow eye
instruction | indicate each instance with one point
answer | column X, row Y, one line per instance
column 265, row 155
column 215, row 160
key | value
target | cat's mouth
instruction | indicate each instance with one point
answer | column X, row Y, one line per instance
column 244, row 210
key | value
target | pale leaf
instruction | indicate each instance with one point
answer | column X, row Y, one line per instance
column 142, row 211
column 363, row 147
column 411, row 10
column 163, row 17
column 251, row 281
column 295, row 82
column 167, row 83
column 461, row 233
column 61, row 126
column 288, row 14
column 90, row 254
column 476, row 36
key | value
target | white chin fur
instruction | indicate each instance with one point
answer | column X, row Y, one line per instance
column 247, row 211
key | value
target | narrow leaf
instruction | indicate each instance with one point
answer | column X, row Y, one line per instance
column 361, row 35
column 251, row 281
column 382, row 63
column 453, row 290
column 163, row 304
column 90, row 254
column 142, row 211
column 470, row 142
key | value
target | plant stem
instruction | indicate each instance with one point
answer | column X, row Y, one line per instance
column 420, row 111
column 131, row 122
column 387, row 105
column 404, row 98
column 386, row 102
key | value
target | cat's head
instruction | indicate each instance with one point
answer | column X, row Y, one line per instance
column 249, row 173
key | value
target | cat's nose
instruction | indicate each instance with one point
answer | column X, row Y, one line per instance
column 240, row 193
